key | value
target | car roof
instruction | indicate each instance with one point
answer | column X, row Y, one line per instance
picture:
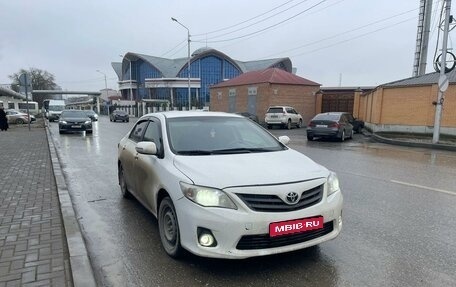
column 184, row 114
column 281, row 107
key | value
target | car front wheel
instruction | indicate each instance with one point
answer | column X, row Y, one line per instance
column 299, row 124
column 168, row 227
column 289, row 124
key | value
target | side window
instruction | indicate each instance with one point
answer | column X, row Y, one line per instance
column 137, row 132
column 153, row 134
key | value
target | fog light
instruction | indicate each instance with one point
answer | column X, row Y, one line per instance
column 206, row 239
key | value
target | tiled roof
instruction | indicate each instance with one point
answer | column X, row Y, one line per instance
column 427, row 79
column 271, row 75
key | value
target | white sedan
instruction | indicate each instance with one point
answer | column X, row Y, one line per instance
column 222, row 186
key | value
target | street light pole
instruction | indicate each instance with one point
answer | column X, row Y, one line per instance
column 188, row 61
column 131, row 80
column 106, row 88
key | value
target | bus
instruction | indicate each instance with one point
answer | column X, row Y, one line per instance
column 22, row 107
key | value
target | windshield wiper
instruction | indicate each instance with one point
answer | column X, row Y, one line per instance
column 241, row 150
column 194, row 152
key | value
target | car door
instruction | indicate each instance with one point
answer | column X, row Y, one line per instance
column 148, row 167
column 128, row 152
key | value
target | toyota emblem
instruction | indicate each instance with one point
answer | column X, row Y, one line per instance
column 292, row 197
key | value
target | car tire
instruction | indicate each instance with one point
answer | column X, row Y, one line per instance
column 299, row 124
column 123, row 184
column 60, row 132
column 110, row 120
column 89, row 131
column 168, row 227
column 342, row 137
column 269, row 127
column 128, row 121
column 351, row 134
column 310, row 138
column 20, row 121
column 288, row 124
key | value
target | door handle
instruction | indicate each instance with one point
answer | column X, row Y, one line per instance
column 136, row 156
column 123, row 148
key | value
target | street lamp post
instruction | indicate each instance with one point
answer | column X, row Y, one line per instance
column 131, row 80
column 188, row 61
column 106, row 88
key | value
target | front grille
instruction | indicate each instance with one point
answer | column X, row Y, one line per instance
column 273, row 203
column 264, row 241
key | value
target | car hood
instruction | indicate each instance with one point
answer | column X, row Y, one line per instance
column 75, row 119
column 222, row 171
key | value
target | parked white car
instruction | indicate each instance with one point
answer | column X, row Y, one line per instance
column 284, row 116
column 212, row 180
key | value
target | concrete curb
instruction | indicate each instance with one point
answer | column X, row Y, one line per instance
column 381, row 139
column 81, row 268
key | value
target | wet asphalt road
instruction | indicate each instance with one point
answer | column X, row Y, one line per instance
column 399, row 220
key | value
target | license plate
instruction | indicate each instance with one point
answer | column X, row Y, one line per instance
column 295, row 226
column 321, row 126
column 274, row 116
column 76, row 127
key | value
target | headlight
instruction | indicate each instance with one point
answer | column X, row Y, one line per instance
column 333, row 183
column 207, row 196
column 63, row 122
column 87, row 122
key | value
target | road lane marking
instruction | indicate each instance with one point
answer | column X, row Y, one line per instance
column 424, row 187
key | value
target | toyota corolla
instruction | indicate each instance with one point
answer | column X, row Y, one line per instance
column 222, row 186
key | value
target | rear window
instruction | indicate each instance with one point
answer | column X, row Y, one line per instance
column 275, row 110
column 326, row 117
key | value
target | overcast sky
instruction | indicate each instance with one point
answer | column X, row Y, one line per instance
column 355, row 42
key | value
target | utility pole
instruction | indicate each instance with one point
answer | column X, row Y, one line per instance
column 440, row 97
column 422, row 38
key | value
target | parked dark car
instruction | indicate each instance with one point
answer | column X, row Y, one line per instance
column 74, row 120
column 92, row 115
column 330, row 125
column 358, row 125
column 249, row 116
column 118, row 115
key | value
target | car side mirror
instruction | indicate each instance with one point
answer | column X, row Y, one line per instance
column 284, row 140
column 146, row 148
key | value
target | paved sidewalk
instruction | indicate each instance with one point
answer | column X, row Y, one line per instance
column 41, row 243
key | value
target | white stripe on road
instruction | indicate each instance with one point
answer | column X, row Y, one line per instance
column 424, row 187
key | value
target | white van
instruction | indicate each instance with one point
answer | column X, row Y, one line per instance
column 55, row 109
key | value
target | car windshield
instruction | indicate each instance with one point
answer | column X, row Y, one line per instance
column 121, row 113
column 218, row 135
column 90, row 112
column 74, row 114
column 56, row 108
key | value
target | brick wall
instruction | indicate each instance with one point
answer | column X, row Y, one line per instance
column 409, row 106
column 302, row 98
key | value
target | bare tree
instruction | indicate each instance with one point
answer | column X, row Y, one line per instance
column 41, row 80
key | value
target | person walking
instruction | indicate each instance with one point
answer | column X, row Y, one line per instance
column 3, row 120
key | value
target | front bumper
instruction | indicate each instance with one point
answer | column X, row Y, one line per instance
column 229, row 226
column 75, row 127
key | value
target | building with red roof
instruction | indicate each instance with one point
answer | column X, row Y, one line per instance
column 255, row 91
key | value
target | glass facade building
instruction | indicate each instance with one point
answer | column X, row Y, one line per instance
column 144, row 77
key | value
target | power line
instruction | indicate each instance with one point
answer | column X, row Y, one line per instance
column 267, row 28
column 169, row 51
column 229, row 27
column 343, row 33
column 353, row 38
column 245, row 27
